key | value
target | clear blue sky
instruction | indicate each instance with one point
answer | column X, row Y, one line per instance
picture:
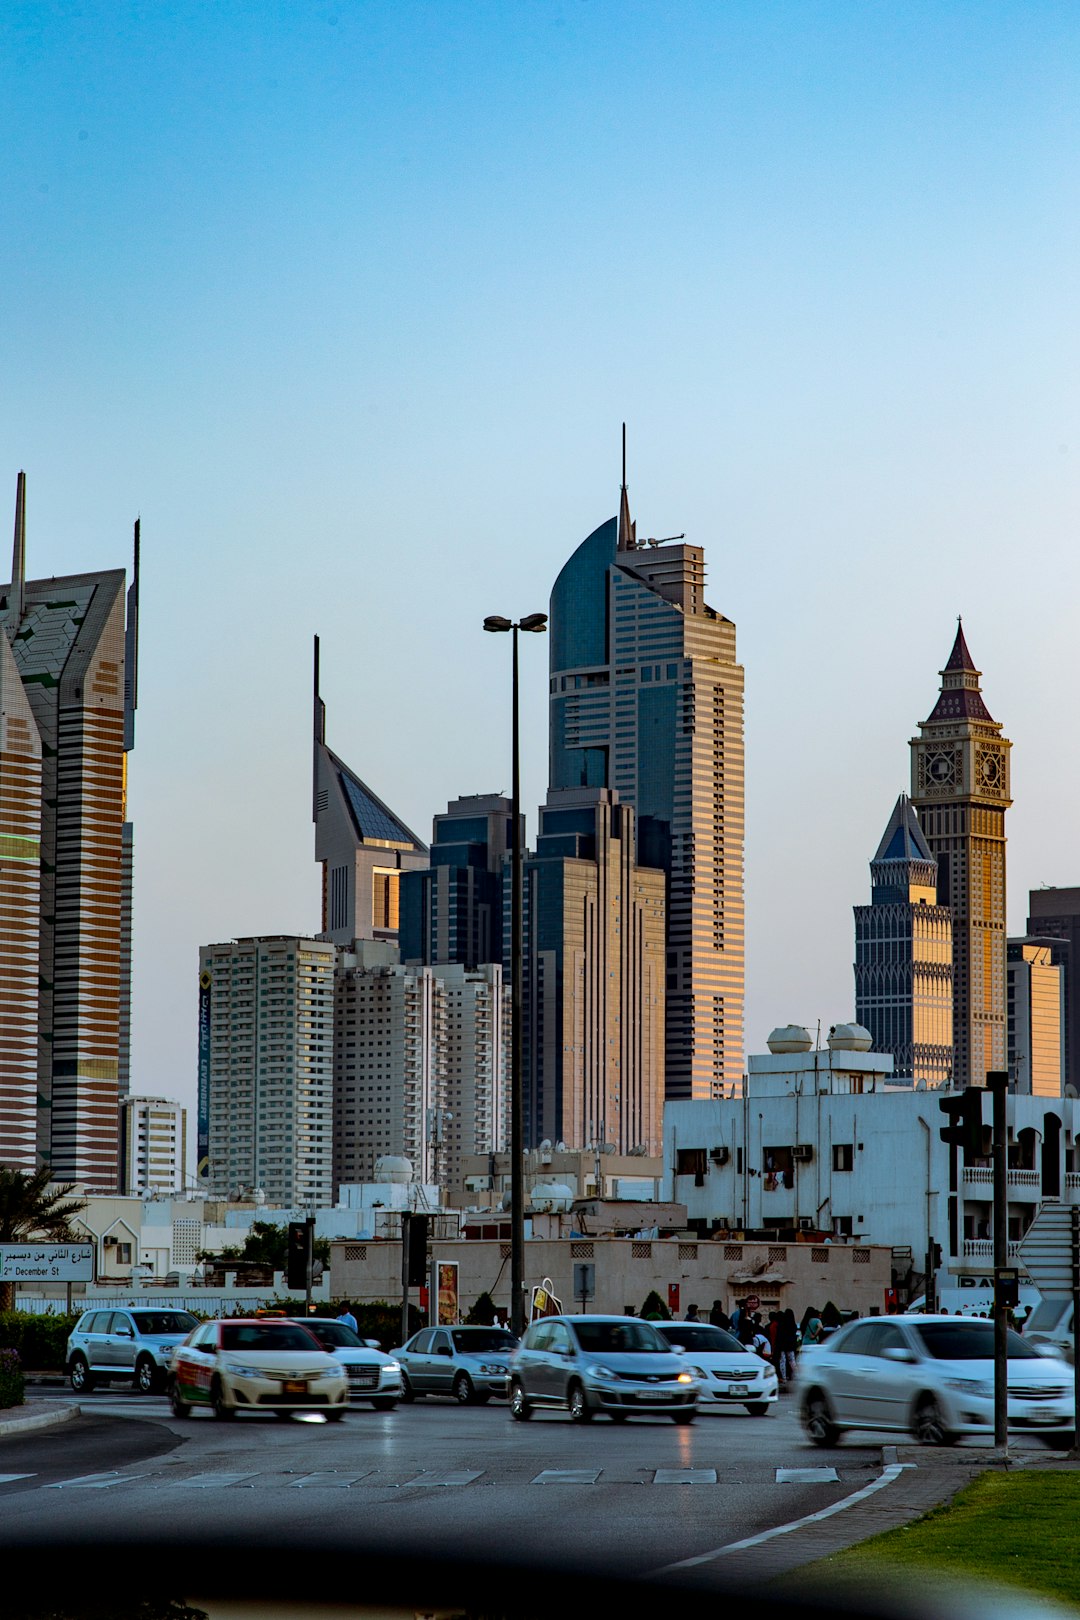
column 349, row 301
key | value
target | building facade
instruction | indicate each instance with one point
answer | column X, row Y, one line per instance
column 1054, row 914
column 1035, row 1017
column 646, row 697
column 266, row 1069
column 960, row 788
column 593, row 1033
column 66, row 860
column 453, row 912
column 153, row 1145
column 903, row 956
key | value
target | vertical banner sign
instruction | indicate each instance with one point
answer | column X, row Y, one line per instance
column 446, row 1293
column 673, row 1298
column 202, row 1160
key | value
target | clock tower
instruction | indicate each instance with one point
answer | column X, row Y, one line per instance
column 960, row 788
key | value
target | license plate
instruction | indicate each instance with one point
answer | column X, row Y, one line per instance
column 294, row 1386
column 738, row 1389
column 1044, row 1417
column 658, row 1395
column 362, row 1382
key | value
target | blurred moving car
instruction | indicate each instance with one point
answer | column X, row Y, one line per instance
column 932, row 1376
column 730, row 1373
column 268, row 1365
column 135, row 1344
column 469, row 1363
column 588, row 1364
column 1049, row 1328
column 372, row 1376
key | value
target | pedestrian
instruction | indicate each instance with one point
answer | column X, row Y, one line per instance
column 719, row 1317
column 346, row 1316
column 787, row 1345
column 692, row 1314
column 813, row 1332
column 759, row 1342
column 747, row 1328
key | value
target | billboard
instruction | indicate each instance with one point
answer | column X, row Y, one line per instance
column 446, row 1293
column 46, row 1262
column 202, row 1155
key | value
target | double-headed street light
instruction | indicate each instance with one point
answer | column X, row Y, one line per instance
column 533, row 623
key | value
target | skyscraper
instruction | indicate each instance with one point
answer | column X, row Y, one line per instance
column 362, row 846
column 1035, row 1023
column 960, row 787
column 1055, row 914
column 65, row 862
column 453, row 911
column 646, row 697
column 594, row 979
column 903, row 956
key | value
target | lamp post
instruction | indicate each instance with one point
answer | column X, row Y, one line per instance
column 534, row 623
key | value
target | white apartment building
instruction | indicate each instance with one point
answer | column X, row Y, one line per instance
column 821, row 1144
column 266, row 1069
column 153, row 1145
column 473, row 1109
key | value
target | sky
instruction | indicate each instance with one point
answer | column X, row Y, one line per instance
column 348, row 301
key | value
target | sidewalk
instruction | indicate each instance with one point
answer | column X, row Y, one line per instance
column 35, row 1415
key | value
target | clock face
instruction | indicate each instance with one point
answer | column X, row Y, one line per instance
column 990, row 770
column 941, row 769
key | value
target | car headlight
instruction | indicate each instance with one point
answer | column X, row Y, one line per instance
column 242, row 1370
column 770, row 1372
column 392, row 1366
column 491, row 1367
column 604, row 1372
column 331, row 1372
column 698, row 1372
column 686, row 1378
column 971, row 1386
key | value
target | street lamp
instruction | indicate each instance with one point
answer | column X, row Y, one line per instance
column 533, row 623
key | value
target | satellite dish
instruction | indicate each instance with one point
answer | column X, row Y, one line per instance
column 1071, row 1091
column 920, row 1085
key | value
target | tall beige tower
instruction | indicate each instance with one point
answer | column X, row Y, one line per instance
column 960, row 788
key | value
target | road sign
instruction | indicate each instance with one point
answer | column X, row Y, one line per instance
column 46, row 1262
column 1046, row 1249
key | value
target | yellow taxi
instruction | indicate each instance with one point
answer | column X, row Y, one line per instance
column 256, row 1365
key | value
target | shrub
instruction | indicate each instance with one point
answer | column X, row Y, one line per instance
column 654, row 1309
column 12, row 1382
column 483, row 1312
column 40, row 1340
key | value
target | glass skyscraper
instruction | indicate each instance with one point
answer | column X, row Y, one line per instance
column 646, row 697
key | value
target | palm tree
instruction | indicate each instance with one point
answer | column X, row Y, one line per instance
column 32, row 1207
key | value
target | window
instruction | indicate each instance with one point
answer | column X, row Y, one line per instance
column 384, row 898
column 843, row 1155
column 691, row 1162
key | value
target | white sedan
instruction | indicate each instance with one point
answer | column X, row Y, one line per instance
column 731, row 1375
column 265, row 1364
column 932, row 1376
column 373, row 1376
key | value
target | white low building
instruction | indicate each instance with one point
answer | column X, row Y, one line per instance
column 822, row 1146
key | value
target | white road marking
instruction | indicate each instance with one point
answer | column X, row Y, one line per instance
column 568, row 1476
column 806, row 1476
column 456, row 1476
column 210, row 1481
column 883, row 1479
column 8, row 1479
column 94, row 1482
column 685, row 1476
column 329, row 1479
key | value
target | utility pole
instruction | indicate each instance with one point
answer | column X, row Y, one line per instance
column 1074, row 1215
column 406, row 1222
column 997, row 1082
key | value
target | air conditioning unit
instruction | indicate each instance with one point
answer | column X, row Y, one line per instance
column 719, row 1155
column 803, row 1153
column 110, row 1243
column 806, row 1223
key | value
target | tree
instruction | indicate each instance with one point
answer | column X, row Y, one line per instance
column 654, row 1309
column 31, row 1206
column 483, row 1312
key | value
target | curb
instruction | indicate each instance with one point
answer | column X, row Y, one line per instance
column 48, row 1419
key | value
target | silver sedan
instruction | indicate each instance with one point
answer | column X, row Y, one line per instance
column 471, row 1364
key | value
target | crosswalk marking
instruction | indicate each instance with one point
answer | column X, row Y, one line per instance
column 685, row 1476
column 456, row 1476
column 806, row 1476
column 568, row 1476
column 329, row 1479
column 8, row 1479
column 210, row 1481
column 94, row 1482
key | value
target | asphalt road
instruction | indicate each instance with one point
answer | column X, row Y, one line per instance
column 449, row 1479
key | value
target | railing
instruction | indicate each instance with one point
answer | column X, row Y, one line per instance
column 1024, row 1178
column 981, row 1175
column 978, row 1175
column 1072, row 1181
column 983, row 1249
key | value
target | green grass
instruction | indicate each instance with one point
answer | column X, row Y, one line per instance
column 1020, row 1529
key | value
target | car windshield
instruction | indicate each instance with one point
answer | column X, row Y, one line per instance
column 152, row 1322
column 1047, row 1314
column 336, row 1335
column 698, row 1336
column 266, row 1336
column 471, row 1340
column 625, row 1338
column 956, row 1341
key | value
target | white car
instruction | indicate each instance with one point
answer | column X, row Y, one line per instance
column 730, row 1374
column 373, row 1376
column 932, row 1376
column 263, row 1364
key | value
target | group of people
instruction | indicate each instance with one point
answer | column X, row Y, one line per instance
column 777, row 1340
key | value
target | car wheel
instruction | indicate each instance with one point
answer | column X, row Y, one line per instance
column 683, row 1417
column 818, row 1420
column 180, row 1408
column 79, row 1376
column 385, row 1404
column 520, row 1408
column 408, row 1394
column 463, row 1390
column 223, row 1412
column 147, row 1377
column 335, row 1415
column 758, row 1408
column 578, row 1407
column 929, row 1426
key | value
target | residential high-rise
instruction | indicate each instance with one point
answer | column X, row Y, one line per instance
column 903, row 956
column 153, row 1145
column 593, row 1030
column 646, row 697
column 1055, row 914
column 960, row 787
column 266, row 1069
column 65, row 863
column 1035, row 1021
column 362, row 846
column 454, row 911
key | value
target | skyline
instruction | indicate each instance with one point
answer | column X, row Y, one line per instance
column 350, row 311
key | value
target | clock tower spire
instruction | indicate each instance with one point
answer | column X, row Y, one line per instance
column 960, row 789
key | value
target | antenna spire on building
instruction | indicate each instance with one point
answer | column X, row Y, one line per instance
column 627, row 530
column 18, row 560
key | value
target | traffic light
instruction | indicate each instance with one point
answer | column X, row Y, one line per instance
column 418, row 1230
column 965, row 1127
column 298, row 1256
column 935, row 1256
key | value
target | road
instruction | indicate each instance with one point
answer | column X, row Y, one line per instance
column 449, row 1479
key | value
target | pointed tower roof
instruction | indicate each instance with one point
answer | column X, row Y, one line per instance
column 961, row 695
column 627, row 530
column 17, row 597
column 903, row 838
column 960, row 657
